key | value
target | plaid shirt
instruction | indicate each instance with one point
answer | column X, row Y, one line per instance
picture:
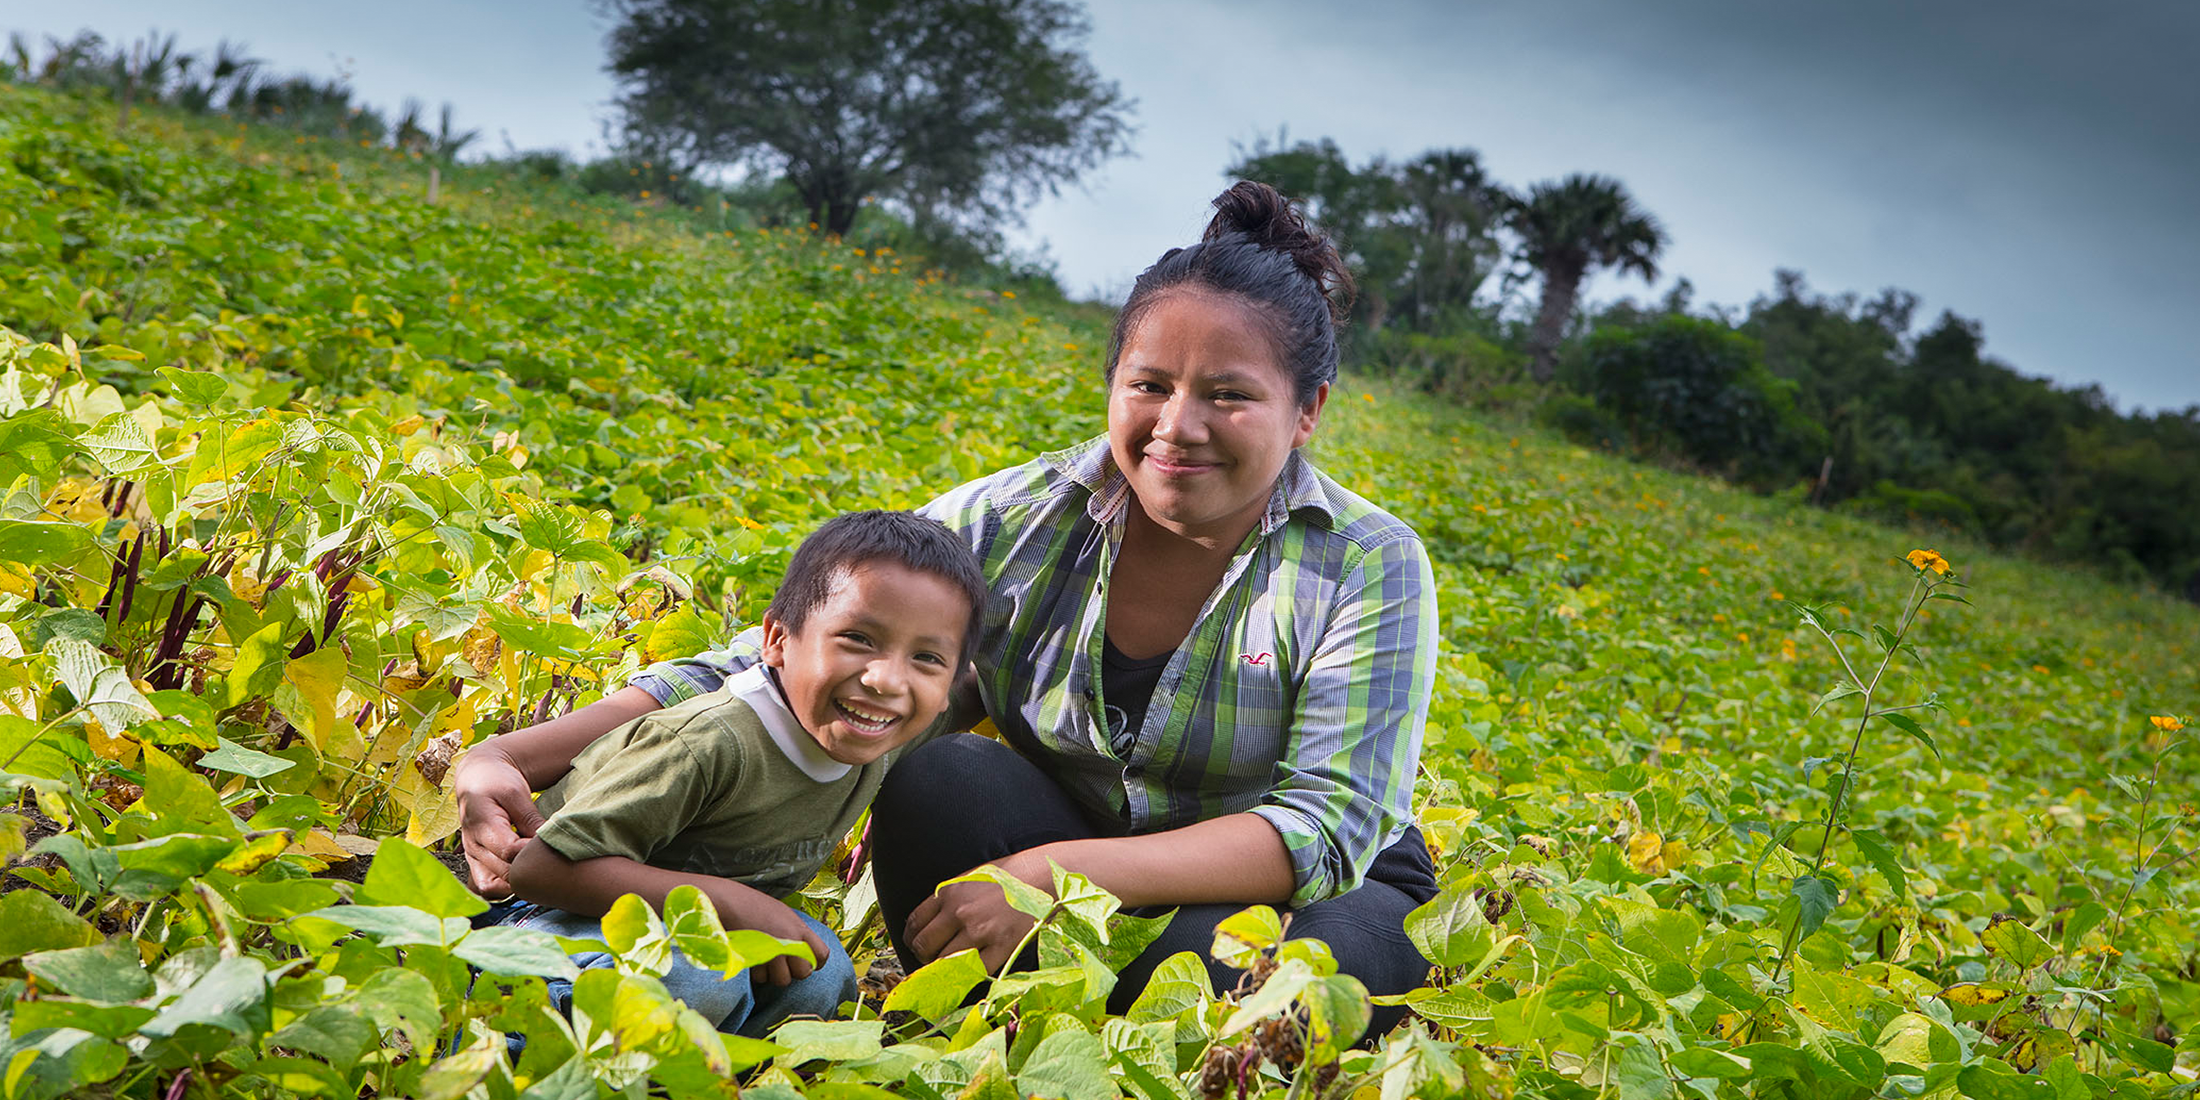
column 1299, row 695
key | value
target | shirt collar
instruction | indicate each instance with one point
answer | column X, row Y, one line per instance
column 755, row 686
column 1092, row 465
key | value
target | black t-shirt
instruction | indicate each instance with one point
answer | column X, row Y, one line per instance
column 1126, row 689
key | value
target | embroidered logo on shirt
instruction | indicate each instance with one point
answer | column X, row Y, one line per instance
column 1255, row 658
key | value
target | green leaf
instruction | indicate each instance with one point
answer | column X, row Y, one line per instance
column 828, row 1040
column 1023, row 896
column 1069, row 1063
column 277, row 901
column 1451, row 930
column 36, row 923
column 1817, row 898
column 1337, row 1012
column 30, row 749
column 38, row 542
column 1242, row 936
column 112, row 1021
column 405, row 874
column 2017, row 942
column 1881, row 857
column 251, row 763
column 340, row 1033
column 453, row 1077
column 1907, row 725
column 395, row 925
column 95, row 973
column 635, row 935
column 938, row 987
column 515, row 952
column 404, row 999
column 2085, row 918
column 1180, row 983
column 194, row 387
column 232, row 995
column 97, row 682
column 301, row 1076
column 259, row 664
column 119, row 443
column 185, row 801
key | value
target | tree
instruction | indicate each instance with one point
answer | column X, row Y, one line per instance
column 1417, row 235
column 1568, row 227
column 958, row 110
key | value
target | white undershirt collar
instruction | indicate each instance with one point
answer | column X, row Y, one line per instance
column 754, row 686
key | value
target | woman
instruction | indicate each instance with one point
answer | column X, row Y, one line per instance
column 1211, row 663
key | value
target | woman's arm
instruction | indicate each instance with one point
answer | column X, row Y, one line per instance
column 589, row 886
column 1238, row 858
column 495, row 780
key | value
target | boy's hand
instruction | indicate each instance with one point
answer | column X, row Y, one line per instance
column 740, row 906
column 496, row 816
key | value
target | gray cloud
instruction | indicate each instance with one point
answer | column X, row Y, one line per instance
column 2022, row 162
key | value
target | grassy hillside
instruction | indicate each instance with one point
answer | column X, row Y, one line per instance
column 317, row 483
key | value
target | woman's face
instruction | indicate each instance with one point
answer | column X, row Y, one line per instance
column 1201, row 416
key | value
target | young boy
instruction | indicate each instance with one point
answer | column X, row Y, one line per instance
column 744, row 792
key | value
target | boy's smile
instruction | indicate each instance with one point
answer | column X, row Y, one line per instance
column 872, row 665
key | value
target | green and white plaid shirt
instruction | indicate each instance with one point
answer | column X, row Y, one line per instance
column 1299, row 696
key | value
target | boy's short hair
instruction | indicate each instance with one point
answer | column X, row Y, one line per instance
column 856, row 538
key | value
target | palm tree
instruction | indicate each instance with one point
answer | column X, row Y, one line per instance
column 1568, row 227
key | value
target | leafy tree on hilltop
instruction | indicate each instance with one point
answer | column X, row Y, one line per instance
column 1418, row 235
column 1568, row 227
column 957, row 109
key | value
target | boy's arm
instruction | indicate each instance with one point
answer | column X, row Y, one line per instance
column 589, row 886
column 494, row 779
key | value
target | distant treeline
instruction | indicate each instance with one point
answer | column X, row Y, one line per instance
column 1837, row 399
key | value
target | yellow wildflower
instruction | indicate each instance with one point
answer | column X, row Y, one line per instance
column 2167, row 723
column 1928, row 559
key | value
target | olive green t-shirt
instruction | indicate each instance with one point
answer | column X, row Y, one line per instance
column 703, row 788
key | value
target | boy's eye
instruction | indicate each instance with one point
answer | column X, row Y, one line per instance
column 932, row 658
column 856, row 637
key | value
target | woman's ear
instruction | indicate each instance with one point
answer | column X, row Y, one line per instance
column 775, row 641
column 1310, row 415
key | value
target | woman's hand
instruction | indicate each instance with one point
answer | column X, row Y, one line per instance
column 976, row 915
column 496, row 815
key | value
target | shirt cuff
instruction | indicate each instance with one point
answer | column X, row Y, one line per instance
column 1315, row 866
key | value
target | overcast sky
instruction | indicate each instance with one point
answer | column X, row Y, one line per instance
column 2025, row 163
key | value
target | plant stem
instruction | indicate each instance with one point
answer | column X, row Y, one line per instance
column 1918, row 590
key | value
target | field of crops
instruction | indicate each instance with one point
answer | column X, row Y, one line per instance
column 310, row 484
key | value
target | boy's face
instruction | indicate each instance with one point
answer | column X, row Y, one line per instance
column 873, row 664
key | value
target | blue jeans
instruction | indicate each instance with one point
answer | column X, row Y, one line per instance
column 733, row 1004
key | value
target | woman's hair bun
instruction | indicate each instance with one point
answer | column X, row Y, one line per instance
column 1262, row 215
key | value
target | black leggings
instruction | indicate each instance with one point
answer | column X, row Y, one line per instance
column 964, row 800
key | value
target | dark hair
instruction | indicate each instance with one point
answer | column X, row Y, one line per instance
column 1258, row 249
column 857, row 538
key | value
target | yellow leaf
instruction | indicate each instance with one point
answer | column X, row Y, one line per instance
column 434, row 812
column 1674, row 854
column 255, row 854
column 1972, row 993
column 1645, row 852
column 117, row 746
column 320, row 845
column 318, row 676
column 479, row 648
